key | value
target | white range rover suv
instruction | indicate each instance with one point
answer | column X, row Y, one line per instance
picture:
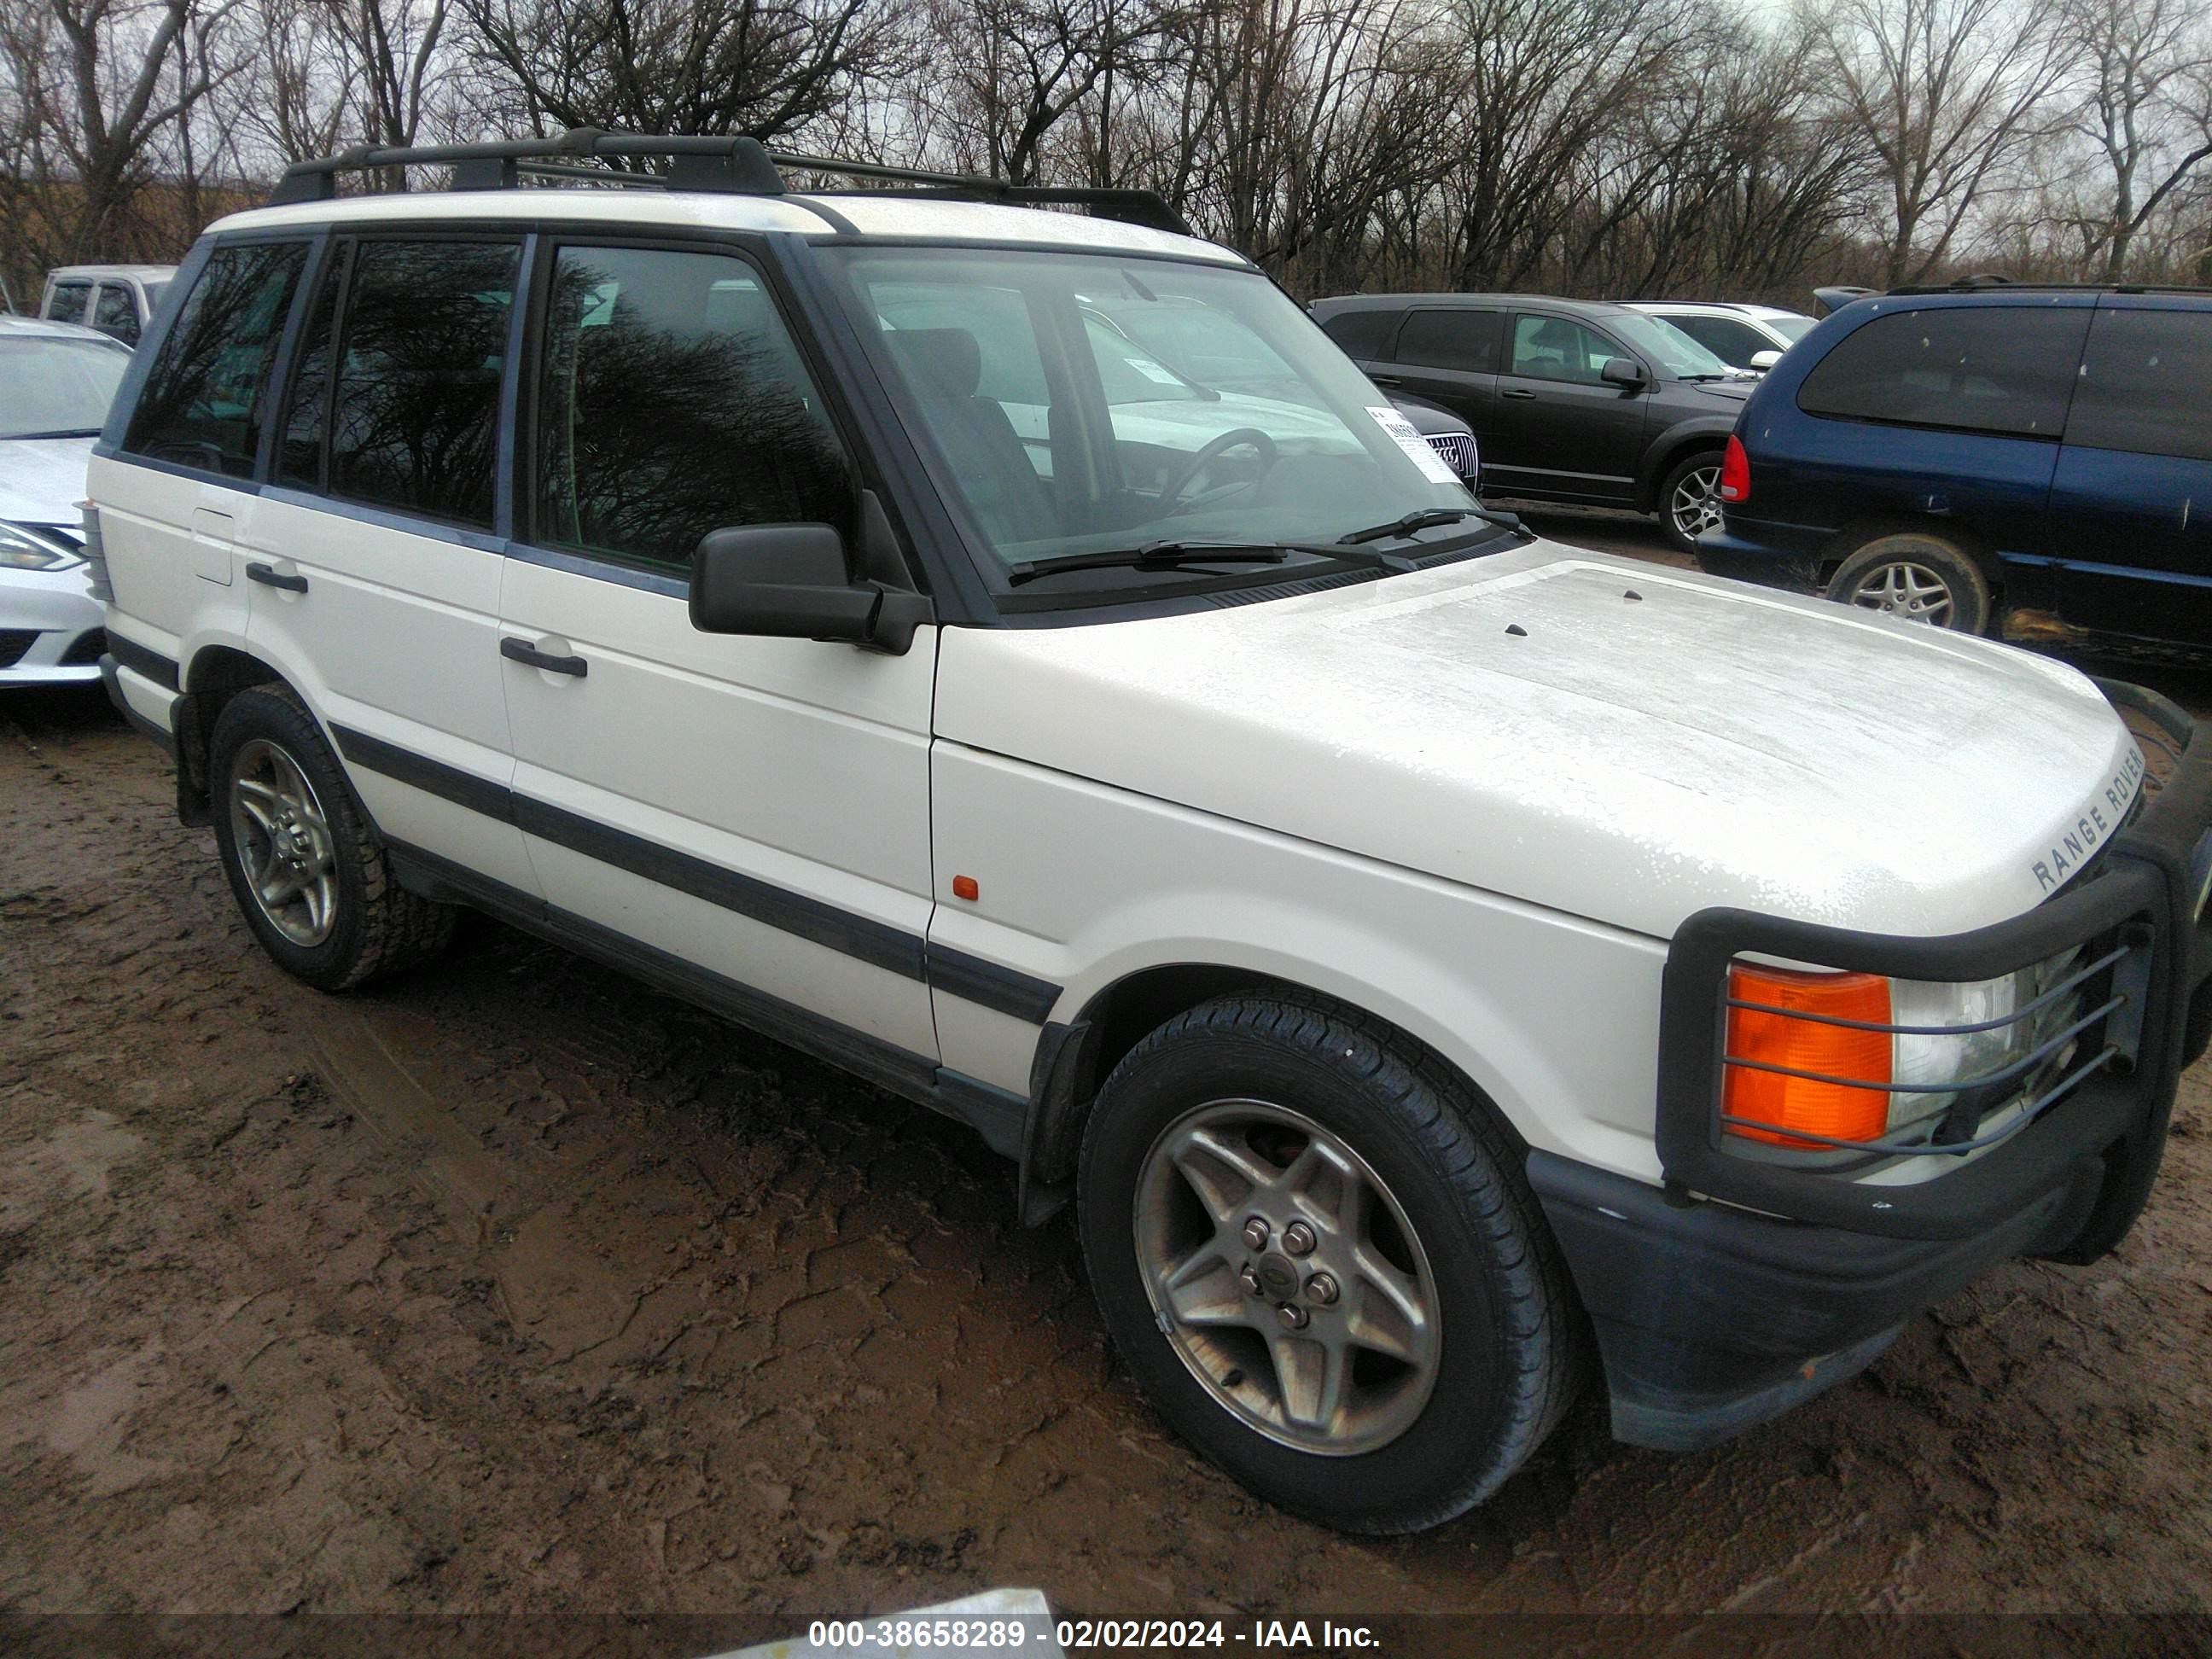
column 1438, row 965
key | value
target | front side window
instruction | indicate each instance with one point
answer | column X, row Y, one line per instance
column 673, row 401
column 1462, row 340
column 117, row 314
column 1729, row 341
column 1555, row 349
column 56, row 388
column 417, row 405
column 2006, row 369
column 70, row 302
column 1078, row 405
column 2142, row 382
column 204, row 402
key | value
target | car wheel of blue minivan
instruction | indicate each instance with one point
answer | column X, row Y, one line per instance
column 1915, row 576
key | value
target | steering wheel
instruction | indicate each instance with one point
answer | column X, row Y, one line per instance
column 1171, row 494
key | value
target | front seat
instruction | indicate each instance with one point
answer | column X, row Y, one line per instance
column 945, row 367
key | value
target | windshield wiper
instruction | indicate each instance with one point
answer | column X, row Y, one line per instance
column 1152, row 555
column 1179, row 554
column 1429, row 517
column 25, row 437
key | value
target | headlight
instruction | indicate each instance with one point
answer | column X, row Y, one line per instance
column 2013, row 1023
column 1824, row 1054
column 24, row 549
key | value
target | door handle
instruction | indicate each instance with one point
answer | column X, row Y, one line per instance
column 1386, row 379
column 1517, row 392
column 269, row 578
column 530, row 656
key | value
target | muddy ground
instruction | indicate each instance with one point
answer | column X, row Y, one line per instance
column 514, row 1287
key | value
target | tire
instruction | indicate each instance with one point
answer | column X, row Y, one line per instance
column 1689, row 500
column 1918, row 575
column 1433, row 1420
column 287, row 823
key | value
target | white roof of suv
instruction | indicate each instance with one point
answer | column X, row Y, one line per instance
column 94, row 273
column 891, row 215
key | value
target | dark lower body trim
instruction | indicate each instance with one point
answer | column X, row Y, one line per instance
column 996, row 1114
column 953, row 972
column 1711, row 1318
column 142, row 660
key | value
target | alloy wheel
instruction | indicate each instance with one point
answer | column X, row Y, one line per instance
column 283, row 842
column 1287, row 1277
column 1904, row 589
column 1695, row 507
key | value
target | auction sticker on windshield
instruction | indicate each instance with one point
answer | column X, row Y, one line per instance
column 1401, row 432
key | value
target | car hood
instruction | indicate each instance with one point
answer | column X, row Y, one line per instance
column 42, row 480
column 1730, row 392
column 1623, row 743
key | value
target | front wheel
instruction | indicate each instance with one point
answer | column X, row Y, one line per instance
column 1320, row 1259
column 1915, row 576
column 1690, row 499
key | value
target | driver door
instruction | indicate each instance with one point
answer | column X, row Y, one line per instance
column 1563, row 430
column 746, row 815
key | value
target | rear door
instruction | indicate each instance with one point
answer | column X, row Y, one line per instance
column 1564, row 431
column 373, row 553
column 753, row 813
column 170, row 514
column 2131, row 499
column 1449, row 355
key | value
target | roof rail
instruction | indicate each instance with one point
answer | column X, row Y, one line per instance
column 732, row 165
column 2007, row 285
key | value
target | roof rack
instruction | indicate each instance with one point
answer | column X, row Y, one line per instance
column 727, row 165
column 1985, row 284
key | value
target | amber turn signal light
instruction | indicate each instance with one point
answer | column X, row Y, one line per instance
column 1836, row 1109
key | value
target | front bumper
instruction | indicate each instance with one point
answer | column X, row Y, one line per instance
column 49, row 627
column 1748, row 1284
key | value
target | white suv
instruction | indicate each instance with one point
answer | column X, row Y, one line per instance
column 1436, row 963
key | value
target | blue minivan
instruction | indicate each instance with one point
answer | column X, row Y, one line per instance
column 1946, row 455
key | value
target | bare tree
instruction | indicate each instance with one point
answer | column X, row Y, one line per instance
column 1946, row 92
column 768, row 68
column 98, row 90
column 2142, row 108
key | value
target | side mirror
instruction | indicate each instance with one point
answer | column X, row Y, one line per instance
column 1763, row 360
column 1622, row 370
column 792, row 581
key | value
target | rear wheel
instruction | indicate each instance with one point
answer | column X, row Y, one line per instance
column 307, row 869
column 1320, row 1260
column 1690, row 500
column 1916, row 576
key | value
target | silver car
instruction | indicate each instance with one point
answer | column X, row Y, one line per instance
column 56, row 382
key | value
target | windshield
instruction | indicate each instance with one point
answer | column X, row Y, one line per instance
column 57, row 388
column 1082, row 403
column 1792, row 329
column 1674, row 350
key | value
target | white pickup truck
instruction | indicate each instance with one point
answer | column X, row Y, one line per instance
column 1441, row 966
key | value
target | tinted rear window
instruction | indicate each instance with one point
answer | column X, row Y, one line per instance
column 201, row 406
column 68, row 301
column 1987, row 368
column 1464, row 340
column 1362, row 333
column 2142, row 384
